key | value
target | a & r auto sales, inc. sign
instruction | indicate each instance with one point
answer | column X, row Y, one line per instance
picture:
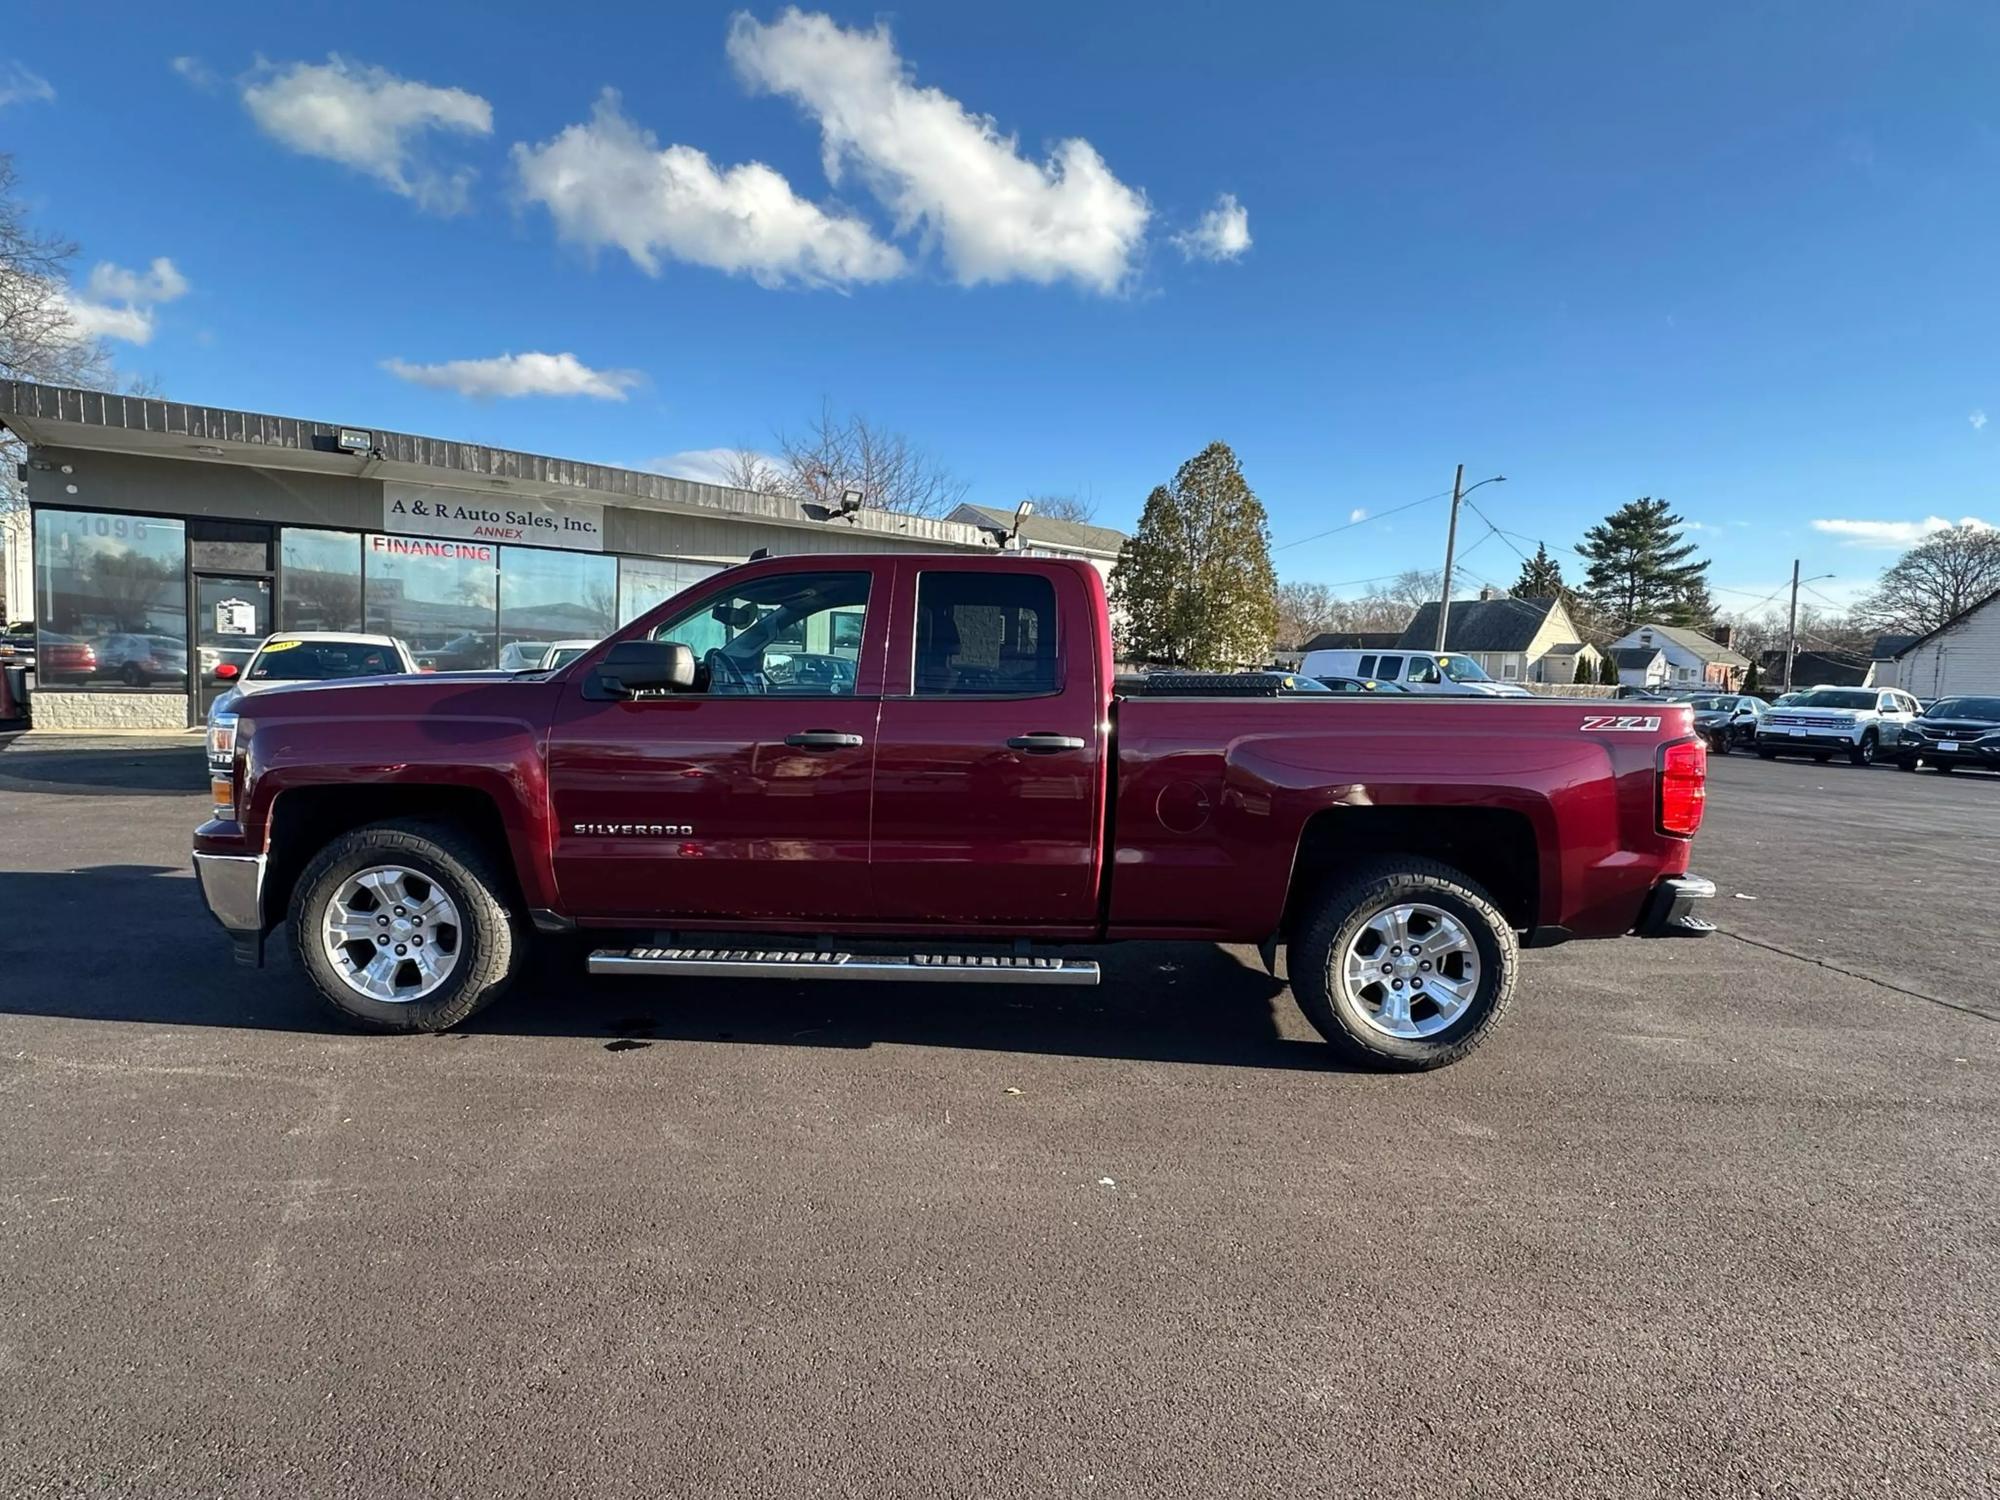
column 420, row 510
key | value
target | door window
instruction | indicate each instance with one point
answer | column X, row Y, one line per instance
column 1423, row 669
column 985, row 635
column 787, row 635
column 1392, row 668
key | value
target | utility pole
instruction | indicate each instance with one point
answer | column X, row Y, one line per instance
column 1451, row 545
column 1792, row 627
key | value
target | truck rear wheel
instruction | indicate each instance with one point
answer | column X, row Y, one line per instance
column 1405, row 963
column 402, row 926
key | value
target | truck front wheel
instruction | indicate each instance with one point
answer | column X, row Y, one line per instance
column 403, row 926
column 1405, row 963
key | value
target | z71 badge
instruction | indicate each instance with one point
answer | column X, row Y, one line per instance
column 1612, row 723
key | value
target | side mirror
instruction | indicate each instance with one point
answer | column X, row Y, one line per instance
column 632, row 667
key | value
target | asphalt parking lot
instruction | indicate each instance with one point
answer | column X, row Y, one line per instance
column 1707, row 1218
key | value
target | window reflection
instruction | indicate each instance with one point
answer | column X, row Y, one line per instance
column 645, row 581
column 546, row 597
column 438, row 598
column 322, row 580
column 110, row 600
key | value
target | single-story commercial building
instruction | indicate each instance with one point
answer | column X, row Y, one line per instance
column 168, row 537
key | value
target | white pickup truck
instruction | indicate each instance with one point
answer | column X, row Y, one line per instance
column 1859, row 723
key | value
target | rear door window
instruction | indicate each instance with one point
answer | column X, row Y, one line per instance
column 985, row 635
column 1367, row 667
column 1392, row 668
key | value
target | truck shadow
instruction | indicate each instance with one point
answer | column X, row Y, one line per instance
column 141, row 770
column 132, row 943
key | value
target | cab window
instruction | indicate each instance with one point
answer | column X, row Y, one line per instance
column 1423, row 669
column 787, row 635
column 985, row 634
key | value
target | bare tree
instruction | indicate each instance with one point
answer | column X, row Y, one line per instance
column 832, row 455
column 1304, row 611
column 1415, row 587
column 1064, row 507
column 39, row 340
column 1937, row 580
column 747, row 469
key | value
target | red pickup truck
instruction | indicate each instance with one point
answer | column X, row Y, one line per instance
column 922, row 768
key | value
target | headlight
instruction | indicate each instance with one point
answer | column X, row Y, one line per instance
column 221, row 739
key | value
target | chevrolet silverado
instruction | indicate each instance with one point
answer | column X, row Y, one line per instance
column 912, row 767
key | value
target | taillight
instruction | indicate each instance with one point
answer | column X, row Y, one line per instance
column 1683, row 787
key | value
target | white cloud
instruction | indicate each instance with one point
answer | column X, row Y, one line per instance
column 19, row 86
column 1222, row 234
column 1977, row 418
column 713, row 465
column 371, row 120
column 117, row 303
column 1357, row 515
column 610, row 183
column 511, row 375
column 942, row 170
column 1892, row 533
column 194, row 71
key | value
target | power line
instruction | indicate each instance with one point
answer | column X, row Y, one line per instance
column 1349, row 526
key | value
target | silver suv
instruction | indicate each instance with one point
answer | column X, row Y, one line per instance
column 1859, row 723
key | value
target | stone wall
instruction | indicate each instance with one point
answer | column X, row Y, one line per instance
column 49, row 709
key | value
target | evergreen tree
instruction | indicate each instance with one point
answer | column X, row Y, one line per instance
column 1541, row 576
column 1641, row 570
column 1195, row 584
column 1607, row 671
column 1750, row 679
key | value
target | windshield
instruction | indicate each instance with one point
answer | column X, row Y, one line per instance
column 1837, row 698
column 1965, row 708
column 561, row 656
column 1712, row 705
column 318, row 661
column 1462, row 669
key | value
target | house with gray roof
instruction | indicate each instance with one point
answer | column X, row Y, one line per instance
column 1514, row 640
column 1693, row 659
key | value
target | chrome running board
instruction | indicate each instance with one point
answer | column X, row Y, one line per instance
column 781, row 963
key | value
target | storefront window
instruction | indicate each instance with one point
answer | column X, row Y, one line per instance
column 646, row 581
column 547, row 597
column 322, row 583
column 438, row 598
column 110, row 600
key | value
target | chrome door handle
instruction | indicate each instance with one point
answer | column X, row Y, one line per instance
column 1045, row 744
column 823, row 739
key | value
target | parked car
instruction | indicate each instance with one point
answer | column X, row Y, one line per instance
column 1954, row 732
column 65, row 658
column 523, row 656
column 562, row 653
column 1419, row 671
column 1360, row 685
column 1727, row 720
column 1859, row 723
column 17, row 644
column 286, row 660
column 977, row 787
column 138, row 660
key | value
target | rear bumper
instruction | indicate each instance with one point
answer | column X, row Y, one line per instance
column 1670, row 909
column 232, row 887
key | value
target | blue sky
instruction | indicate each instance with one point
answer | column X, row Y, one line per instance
column 1739, row 255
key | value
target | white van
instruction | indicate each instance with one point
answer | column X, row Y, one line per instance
column 1419, row 671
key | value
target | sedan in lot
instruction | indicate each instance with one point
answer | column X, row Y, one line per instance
column 1359, row 685
column 1954, row 732
column 1727, row 720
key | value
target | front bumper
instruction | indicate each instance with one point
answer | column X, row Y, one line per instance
column 1669, row 910
column 1781, row 742
column 232, row 886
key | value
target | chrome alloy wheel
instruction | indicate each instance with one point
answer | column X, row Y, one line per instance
column 1411, row 970
column 391, row 934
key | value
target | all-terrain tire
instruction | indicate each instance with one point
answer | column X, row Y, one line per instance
column 492, row 937
column 1335, row 918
